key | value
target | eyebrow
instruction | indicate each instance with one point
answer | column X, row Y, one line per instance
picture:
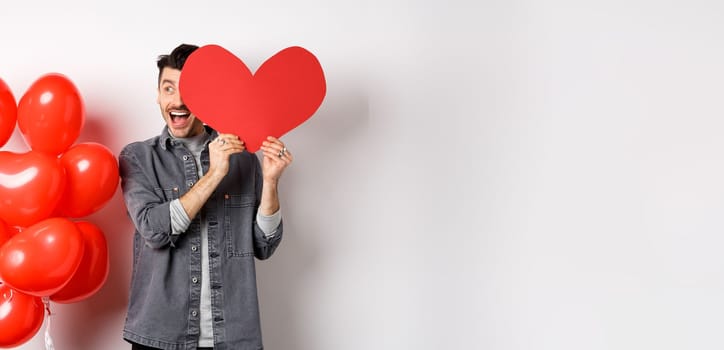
column 168, row 81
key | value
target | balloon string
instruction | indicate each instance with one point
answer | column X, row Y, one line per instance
column 48, row 339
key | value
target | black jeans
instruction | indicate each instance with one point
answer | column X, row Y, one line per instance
column 143, row 347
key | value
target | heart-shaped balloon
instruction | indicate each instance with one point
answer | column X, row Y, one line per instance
column 31, row 184
column 6, row 232
column 43, row 258
column 283, row 93
column 51, row 114
column 93, row 269
column 20, row 317
column 8, row 113
column 91, row 179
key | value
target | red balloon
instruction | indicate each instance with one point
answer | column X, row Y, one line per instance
column 21, row 316
column 5, row 232
column 31, row 184
column 41, row 260
column 15, row 230
column 51, row 114
column 93, row 270
column 92, row 179
column 8, row 113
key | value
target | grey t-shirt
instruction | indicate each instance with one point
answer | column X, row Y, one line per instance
column 180, row 221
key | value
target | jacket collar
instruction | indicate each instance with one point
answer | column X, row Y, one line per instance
column 165, row 138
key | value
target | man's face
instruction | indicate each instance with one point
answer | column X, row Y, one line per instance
column 179, row 119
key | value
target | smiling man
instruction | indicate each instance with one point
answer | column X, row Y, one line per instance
column 181, row 123
column 203, row 209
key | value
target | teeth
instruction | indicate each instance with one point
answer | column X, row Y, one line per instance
column 178, row 114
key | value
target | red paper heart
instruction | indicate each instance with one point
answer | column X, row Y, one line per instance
column 283, row 93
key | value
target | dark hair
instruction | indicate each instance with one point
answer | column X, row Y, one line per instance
column 175, row 59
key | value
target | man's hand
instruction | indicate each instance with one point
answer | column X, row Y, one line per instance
column 276, row 158
column 219, row 151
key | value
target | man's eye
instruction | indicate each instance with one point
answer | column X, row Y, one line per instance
column 170, row 89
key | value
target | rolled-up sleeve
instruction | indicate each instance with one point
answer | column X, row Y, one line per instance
column 147, row 209
column 264, row 245
column 269, row 223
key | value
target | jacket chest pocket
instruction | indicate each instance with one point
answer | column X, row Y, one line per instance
column 168, row 194
column 239, row 215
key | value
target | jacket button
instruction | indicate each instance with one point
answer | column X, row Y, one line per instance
column 186, row 157
column 194, row 313
column 193, row 248
column 194, row 279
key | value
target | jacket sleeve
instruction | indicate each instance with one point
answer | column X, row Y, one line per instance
column 148, row 210
column 264, row 244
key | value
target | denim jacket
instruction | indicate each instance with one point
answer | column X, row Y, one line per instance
column 163, row 308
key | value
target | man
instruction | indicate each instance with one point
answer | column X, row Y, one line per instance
column 203, row 209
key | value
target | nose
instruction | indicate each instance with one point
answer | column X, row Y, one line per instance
column 177, row 98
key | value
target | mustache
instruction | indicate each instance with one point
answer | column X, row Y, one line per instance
column 181, row 107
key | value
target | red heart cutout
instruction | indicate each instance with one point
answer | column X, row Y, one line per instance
column 283, row 93
column 31, row 184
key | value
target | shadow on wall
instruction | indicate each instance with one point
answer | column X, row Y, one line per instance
column 321, row 144
column 96, row 322
column 287, row 277
column 94, row 130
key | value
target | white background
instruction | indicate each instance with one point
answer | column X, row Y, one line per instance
column 481, row 175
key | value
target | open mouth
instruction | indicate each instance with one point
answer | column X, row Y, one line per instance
column 179, row 116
